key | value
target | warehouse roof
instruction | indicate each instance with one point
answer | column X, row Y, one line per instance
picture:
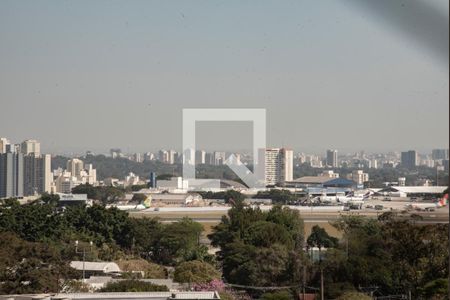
column 312, row 179
column 105, row 267
column 416, row 189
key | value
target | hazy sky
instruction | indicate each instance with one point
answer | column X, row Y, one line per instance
column 92, row 75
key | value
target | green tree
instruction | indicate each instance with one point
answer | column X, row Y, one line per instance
column 180, row 241
column 140, row 198
column 248, row 236
column 319, row 238
column 195, row 272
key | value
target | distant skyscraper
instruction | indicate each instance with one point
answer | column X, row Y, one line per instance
column 172, row 157
column 332, row 158
column 219, row 158
column 3, row 143
column 31, row 147
column 209, row 158
column 438, row 154
column 137, row 157
column 189, row 157
column 115, row 153
column 75, row 166
column 163, row 156
column 200, row 157
column 37, row 174
column 409, row 159
column 149, row 156
column 11, row 175
column 277, row 165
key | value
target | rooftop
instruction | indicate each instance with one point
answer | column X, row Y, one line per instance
column 105, row 267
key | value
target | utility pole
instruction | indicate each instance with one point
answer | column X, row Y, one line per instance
column 84, row 256
column 321, row 284
column 304, row 282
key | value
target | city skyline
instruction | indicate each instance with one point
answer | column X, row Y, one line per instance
column 126, row 150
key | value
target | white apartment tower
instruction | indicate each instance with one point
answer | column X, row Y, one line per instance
column 277, row 165
column 3, row 143
column 31, row 147
column 75, row 166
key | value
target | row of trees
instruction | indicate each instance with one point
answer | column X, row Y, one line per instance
column 37, row 242
column 257, row 249
column 389, row 255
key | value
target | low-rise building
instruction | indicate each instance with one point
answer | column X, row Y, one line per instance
column 96, row 268
column 174, row 199
column 73, row 199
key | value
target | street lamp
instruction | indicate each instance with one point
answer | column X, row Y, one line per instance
column 84, row 255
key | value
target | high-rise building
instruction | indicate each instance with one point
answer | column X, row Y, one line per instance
column 163, row 156
column 276, row 165
column 219, row 158
column 200, row 157
column 149, row 156
column 65, row 182
column 172, row 157
column 137, row 157
column 37, row 176
column 31, row 147
column 409, row 159
column 11, row 175
column 115, row 153
column 438, row 154
column 3, row 143
column 75, row 166
column 209, row 158
column 90, row 174
column 332, row 158
column 189, row 157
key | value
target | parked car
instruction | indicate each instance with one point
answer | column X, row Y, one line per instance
column 379, row 207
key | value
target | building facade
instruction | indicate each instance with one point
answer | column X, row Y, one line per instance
column 276, row 165
column 11, row 175
column 409, row 159
column 37, row 174
column 332, row 158
column 31, row 147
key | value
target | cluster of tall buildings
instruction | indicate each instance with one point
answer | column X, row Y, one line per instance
column 438, row 158
column 190, row 156
column 76, row 173
column 410, row 159
column 24, row 171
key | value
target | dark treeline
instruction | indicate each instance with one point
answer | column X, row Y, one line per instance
column 37, row 242
column 257, row 249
